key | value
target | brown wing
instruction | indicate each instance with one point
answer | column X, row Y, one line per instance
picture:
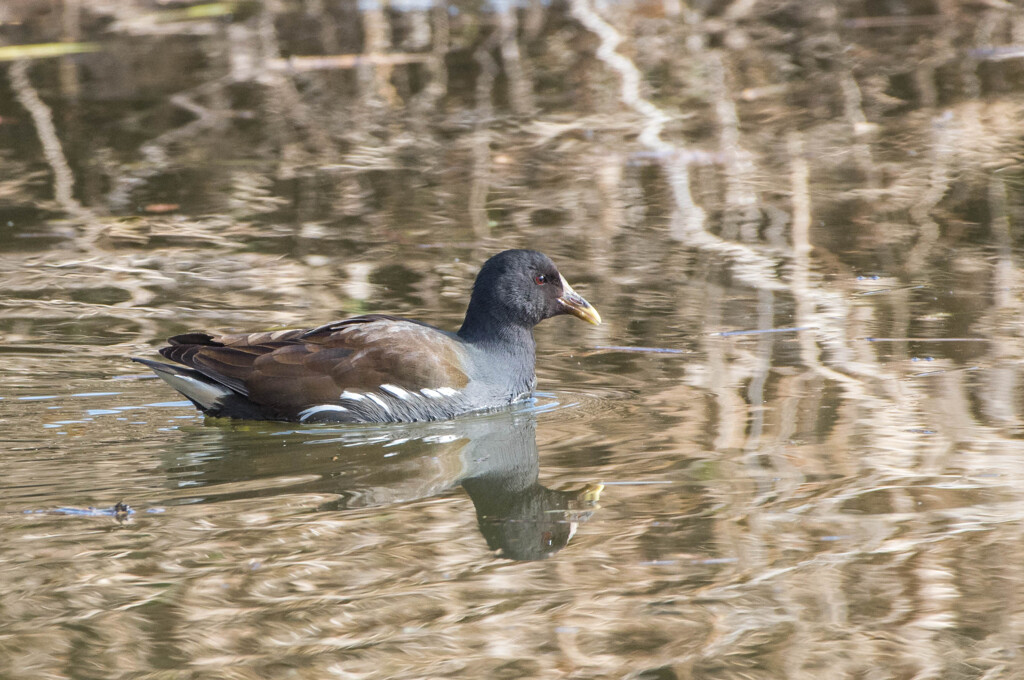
column 290, row 370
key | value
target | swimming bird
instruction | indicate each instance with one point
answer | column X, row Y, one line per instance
column 379, row 368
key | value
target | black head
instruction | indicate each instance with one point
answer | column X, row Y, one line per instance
column 521, row 288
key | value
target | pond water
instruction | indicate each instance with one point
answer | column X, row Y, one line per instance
column 794, row 449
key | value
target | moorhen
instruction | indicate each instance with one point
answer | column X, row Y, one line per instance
column 378, row 368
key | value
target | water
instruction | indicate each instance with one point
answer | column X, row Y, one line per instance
column 793, row 449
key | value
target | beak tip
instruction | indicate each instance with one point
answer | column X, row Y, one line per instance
column 575, row 304
column 582, row 309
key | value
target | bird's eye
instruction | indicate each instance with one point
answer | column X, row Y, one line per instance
column 540, row 279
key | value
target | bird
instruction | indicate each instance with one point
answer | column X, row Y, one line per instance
column 377, row 368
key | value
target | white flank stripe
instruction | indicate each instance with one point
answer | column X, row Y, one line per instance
column 447, row 391
column 313, row 410
column 433, row 394
column 354, row 396
column 380, row 402
column 395, row 390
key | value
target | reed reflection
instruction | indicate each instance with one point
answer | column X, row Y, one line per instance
column 493, row 457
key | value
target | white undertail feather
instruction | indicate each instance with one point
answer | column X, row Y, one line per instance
column 207, row 395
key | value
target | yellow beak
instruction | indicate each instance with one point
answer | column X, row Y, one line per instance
column 577, row 306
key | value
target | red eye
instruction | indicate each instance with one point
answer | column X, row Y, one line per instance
column 540, row 279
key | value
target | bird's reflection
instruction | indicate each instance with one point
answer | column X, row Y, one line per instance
column 519, row 517
column 493, row 457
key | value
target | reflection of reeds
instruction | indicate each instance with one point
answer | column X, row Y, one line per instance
column 42, row 120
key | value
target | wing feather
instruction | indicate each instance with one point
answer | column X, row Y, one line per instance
column 291, row 370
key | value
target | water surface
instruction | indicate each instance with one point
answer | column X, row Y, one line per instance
column 793, row 449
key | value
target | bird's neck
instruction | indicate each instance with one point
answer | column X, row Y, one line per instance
column 502, row 339
column 510, row 348
column 486, row 325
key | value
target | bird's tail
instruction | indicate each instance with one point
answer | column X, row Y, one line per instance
column 206, row 394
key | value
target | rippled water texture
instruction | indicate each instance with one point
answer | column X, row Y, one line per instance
column 793, row 449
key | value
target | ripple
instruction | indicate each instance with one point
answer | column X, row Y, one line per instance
column 585, row 404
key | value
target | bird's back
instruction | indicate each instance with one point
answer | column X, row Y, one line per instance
column 372, row 368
